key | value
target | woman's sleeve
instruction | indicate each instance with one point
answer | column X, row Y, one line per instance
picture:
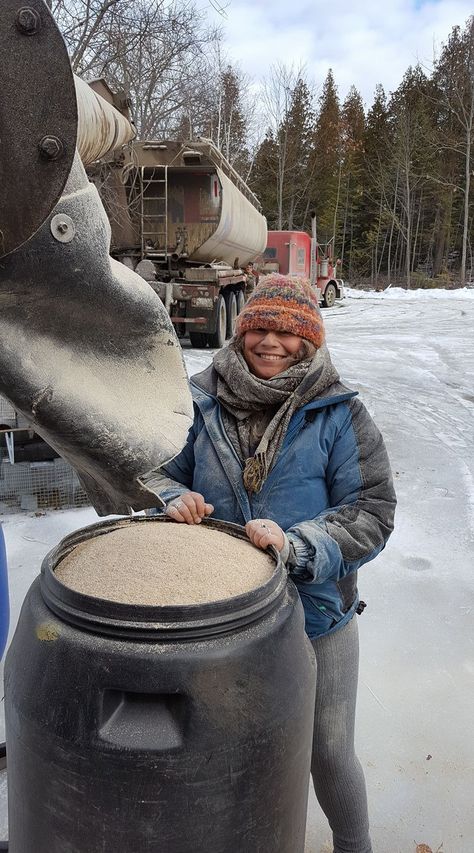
column 356, row 526
column 176, row 477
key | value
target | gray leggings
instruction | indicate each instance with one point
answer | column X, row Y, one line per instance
column 337, row 774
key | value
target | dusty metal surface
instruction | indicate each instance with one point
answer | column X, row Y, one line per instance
column 208, row 218
column 241, row 233
column 38, row 119
column 101, row 127
column 88, row 353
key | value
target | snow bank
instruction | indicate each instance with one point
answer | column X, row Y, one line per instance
column 401, row 293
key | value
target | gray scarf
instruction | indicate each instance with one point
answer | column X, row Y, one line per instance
column 260, row 409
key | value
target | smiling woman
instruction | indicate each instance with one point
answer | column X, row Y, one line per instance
column 280, row 445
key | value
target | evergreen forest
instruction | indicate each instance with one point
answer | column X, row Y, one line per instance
column 391, row 186
column 390, row 182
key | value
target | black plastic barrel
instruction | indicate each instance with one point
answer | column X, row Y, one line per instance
column 158, row 729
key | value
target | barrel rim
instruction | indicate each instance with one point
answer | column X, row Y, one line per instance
column 150, row 621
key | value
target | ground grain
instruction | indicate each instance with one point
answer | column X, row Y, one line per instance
column 156, row 563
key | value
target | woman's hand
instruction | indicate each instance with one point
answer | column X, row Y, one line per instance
column 189, row 508
column 263, row 532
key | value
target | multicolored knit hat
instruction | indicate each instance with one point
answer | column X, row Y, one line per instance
column 283, row 303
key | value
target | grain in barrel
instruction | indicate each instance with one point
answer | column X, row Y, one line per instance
column 153, row 563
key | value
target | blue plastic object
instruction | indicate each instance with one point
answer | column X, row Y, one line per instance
column 4, row 608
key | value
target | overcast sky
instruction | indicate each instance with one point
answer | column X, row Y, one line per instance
column 365, row 42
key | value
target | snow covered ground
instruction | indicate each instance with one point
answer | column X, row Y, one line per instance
column 411, row 355
column 420, row 293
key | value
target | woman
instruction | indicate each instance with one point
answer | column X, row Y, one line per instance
column 279, row 445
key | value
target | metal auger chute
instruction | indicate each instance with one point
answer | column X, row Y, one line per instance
column 87, row 351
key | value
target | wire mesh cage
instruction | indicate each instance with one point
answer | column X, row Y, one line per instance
column 40, row 485
column 7, row 413
column 49, row 484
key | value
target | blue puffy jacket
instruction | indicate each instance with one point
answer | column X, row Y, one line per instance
column 330, row 489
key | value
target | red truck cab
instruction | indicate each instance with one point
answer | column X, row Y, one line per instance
column 289, row 253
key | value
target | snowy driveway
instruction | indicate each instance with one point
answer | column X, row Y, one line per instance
column 413, row 361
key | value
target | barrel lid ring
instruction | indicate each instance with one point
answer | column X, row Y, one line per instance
column 151, row 622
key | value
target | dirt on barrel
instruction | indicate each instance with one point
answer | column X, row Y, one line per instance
column 163, row 564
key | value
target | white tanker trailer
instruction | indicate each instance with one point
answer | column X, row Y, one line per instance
column 181, row 217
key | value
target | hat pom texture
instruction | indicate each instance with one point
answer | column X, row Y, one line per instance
column 283, row 303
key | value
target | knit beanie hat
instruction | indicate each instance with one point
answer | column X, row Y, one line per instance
column 283, row 303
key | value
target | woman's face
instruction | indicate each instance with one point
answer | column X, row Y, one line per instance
column 269, row 353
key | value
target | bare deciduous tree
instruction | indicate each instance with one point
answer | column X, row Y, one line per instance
column 277, row 100
column 156, row 50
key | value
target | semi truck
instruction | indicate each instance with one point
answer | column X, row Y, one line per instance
column 185, row 221
column 296, row 253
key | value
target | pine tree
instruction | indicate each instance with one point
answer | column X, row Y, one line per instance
column 349, row 211
column 263, row 178
column 282, row 169
column 325, row 188
column 454, row 81
column 296, row 133
column 228, row 120
column 376, row 223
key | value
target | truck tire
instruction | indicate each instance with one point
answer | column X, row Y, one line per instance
column 217, row 340
column 231, row 306
column 329, row 296
column 240, row 301
column 198, row 340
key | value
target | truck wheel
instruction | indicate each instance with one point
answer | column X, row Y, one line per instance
column 329, row 296
column 198, row 340
column 240, row 301
column 217, row 340
column 231, row 305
